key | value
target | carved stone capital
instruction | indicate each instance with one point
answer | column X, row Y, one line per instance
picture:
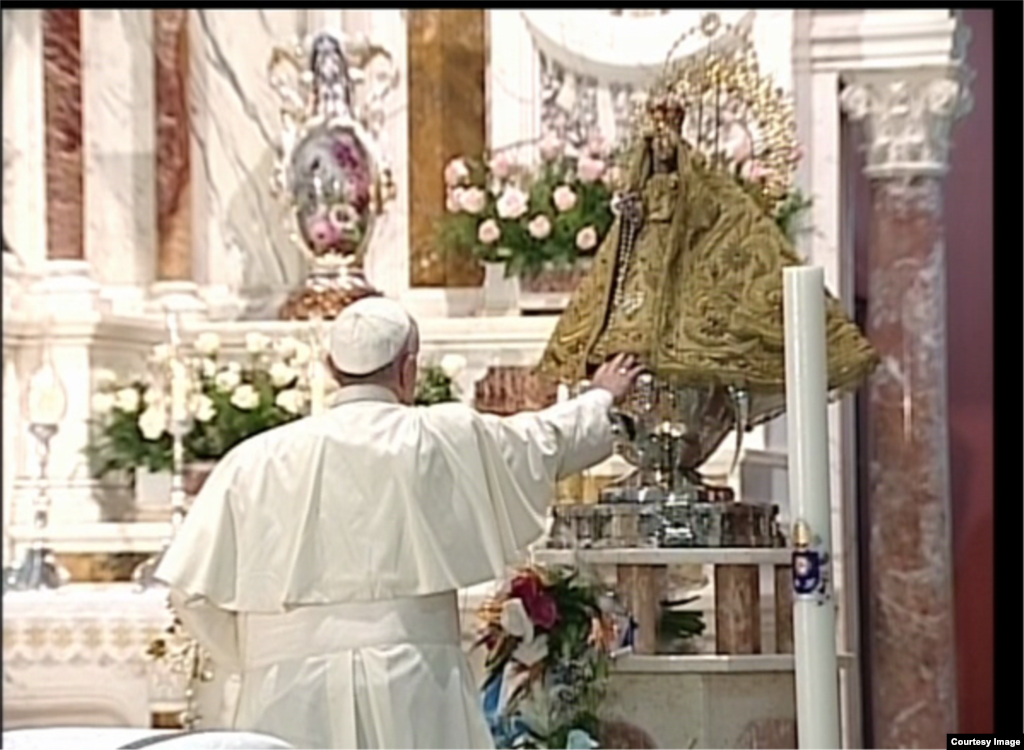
column 908, row 117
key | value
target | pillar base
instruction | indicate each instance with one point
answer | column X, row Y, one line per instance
column 66, row 290
column 181, row 297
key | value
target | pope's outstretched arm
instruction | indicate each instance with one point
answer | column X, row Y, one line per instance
column 559, row 441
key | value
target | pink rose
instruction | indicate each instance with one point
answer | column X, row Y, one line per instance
column 539, row 227
column 500, row 166
column 551, row 147
column 456, row 172
column 597, row 146
column 489, row 232
column 564, row 198
column 755, row 171
column 512, row 203
column 453, row 203
column 586, row 238
column 589, row 170
column 472, row 200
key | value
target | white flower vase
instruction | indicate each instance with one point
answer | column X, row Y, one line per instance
column 152, row 489
column 500, row 293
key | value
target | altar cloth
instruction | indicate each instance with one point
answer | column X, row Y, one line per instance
column 93, row 738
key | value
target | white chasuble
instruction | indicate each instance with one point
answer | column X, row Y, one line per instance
column 321, row 560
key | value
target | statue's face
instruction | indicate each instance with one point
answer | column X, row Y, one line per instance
column 333, row 179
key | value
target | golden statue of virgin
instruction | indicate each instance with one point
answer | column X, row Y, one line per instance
column 689, row 279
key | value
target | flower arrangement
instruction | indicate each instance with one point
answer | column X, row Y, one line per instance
column 529, row 219
column 550, row 637
column 230, row 401
column 436, row 382
column 788, row 211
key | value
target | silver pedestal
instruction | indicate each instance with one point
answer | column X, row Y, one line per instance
column 39, row 569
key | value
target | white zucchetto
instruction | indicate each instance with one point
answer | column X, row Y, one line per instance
column 368, row 335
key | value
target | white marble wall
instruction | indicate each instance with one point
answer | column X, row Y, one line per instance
column 24, row 186
column 235, row 130
column 119, row 140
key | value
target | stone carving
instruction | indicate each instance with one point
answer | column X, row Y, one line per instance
column 568, row 103
column 908, row 119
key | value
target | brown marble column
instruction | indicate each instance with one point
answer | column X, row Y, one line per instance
column 173, row 166
column 447, row 54
column 912, row 660
column 62, row 95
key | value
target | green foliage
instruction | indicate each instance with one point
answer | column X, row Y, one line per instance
column 434, row 387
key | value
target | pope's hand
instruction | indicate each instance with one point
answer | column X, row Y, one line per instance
column 617, row 375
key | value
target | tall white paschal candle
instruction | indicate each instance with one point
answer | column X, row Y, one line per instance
column 814, row 609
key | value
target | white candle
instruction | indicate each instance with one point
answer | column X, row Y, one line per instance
column 47, row 401
column 179, row 392
column 814, row 610
column 317, row 388
column 563, row 393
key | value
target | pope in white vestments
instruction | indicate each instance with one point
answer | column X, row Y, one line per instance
column 321, row 561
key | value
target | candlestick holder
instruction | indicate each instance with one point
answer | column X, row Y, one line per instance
column 179, row 426
column 39, row 569
column 144, row 575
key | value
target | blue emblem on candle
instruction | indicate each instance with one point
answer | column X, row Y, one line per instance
column 809, row 565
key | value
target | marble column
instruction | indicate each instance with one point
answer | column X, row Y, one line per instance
column 907, row 118
column 68, row 283
column 175, row 286
column 62, row 91
column 447, row 58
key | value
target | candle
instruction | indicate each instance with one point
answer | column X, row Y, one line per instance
column 179, row 392
column 317, row 388
column 814, row 610
column 562, row 393
column 47, row 400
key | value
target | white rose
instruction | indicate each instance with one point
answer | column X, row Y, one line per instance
column 564, row 198
column 453, row 201
column 245, row 397
column 208, row 368
column 530, row 652
column 208, row 344
column 472, row 200
column 235, row 367
column 539, row 227
column 286, row 347
column 290, row 401
column 452, row 365
column 126, row 399
column 256, row 343
column 152, row 396
column 102, row 403
column 161, row 353
column 489, row 232
column 203, row 408
column 227, row 379
column 103, row 378
column 512, row 204
column 281, row 375
column 586, row 238
column 303, row 353
column 152, row 423
column 515, row 621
